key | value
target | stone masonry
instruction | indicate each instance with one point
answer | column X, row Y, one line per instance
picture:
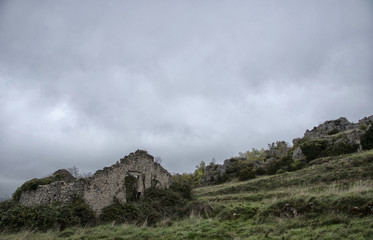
column 105, row 185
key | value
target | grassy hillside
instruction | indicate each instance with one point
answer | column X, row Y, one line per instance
column 332, row 198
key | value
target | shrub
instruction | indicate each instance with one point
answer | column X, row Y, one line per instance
column 81, row 211
column 296, row 165
column 273, row 166
column 183, row 186
column 366, row 139
column 198, row 173
column 314, row 149
column 340, row 148
column 155, row 205
column 260, row 170
column 120, row 213
column 248, row 172
column 15, row 217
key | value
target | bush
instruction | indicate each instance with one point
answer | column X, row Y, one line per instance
column 314, row 149
column 15, row 217
column 273, row 166
column 260, row 170
column 81, row 211
column 120, row 213
column 182, row 186
column 246, row 173
column 336, row 149
column 366, row 139
column 155, row 205
column 296, row 165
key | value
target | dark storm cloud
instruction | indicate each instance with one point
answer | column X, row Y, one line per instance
column 85, row 83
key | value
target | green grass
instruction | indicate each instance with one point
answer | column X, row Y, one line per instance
column 330, row 199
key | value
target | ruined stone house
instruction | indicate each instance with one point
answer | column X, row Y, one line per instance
column 105, row 185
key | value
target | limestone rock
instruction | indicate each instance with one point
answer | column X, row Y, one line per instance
column 298, row 155
column 366, row 120
column 330, row 128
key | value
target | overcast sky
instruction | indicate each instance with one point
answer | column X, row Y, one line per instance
column 84, row 83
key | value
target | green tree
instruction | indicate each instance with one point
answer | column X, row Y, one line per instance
column 198, row 173
column 246, row 170
column 253, row 155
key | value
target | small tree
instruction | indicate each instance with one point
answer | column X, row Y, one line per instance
column 198, row 173
column 253, row 155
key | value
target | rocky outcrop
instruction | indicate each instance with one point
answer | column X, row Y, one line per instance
column 332, row 127
column 330, row 138
column 105, row 185
column 366, row 121
column 339, row 135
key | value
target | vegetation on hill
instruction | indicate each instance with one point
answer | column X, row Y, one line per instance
column 331, row 198
column 319, row 188
column 157, row 204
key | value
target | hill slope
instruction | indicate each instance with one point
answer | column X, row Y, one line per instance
column 330, row 199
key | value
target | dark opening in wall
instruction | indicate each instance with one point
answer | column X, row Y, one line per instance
column 131, row 185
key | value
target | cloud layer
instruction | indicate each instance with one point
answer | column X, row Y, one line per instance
column 83, row 84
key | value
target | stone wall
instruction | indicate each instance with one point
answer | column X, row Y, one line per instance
column 100, row 190
column 107, row 184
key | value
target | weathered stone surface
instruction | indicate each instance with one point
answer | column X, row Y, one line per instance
column 338, row 133
column 298, row 155
column 100, row 190
column 60, row 191
column 335, row 126
column 366, row 120
column 328, row 127
column 213, row 173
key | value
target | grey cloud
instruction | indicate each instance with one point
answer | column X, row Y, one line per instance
column 85, row 83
